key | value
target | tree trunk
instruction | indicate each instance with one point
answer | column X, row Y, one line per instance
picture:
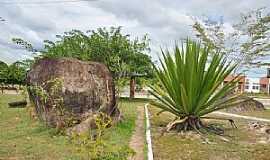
column 18, row 104
column 132, row 88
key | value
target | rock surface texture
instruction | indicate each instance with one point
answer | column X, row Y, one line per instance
column 246, row 106
column 86, row 89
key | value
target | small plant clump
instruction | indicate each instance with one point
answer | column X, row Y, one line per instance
column 95, row 146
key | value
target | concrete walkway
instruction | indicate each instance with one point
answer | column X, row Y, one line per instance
column 244, row 117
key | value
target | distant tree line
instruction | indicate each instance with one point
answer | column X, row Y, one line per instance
column 12, row 74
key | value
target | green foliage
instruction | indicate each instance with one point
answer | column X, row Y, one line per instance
column 246, row 44
column 95, row 145
column 54, row 91
column 50, row 93
column 24, row 93
column 29, row 139
column 110, row 46
column 3, row 72
column 256, row 26
column 12, row 74
column 211, row 34
column 191, row 82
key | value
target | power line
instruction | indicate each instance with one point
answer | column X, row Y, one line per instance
column 43, row 2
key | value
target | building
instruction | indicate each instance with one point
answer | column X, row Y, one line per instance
column 241, row 84
column 264, row 85
column 252, row 85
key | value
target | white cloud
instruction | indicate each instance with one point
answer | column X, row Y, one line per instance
column 164, row 21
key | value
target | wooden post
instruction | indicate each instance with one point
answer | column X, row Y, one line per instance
column 132, row 87
column 268, row 86
column 2, row 88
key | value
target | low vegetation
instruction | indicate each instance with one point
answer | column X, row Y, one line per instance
column 240, row 143
column 259, row 114
column 12, row 74
column 24, row 138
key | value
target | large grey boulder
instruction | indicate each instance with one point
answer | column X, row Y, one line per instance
column 86, row 88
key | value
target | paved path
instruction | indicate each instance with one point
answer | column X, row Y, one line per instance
column 264, row 101
column 244, row 117
column 138, row 138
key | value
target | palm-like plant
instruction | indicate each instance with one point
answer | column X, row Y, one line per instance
column 191, row 85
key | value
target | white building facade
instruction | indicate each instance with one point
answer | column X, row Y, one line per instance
column 252, row 85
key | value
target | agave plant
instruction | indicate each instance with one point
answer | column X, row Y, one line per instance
column 191, row 85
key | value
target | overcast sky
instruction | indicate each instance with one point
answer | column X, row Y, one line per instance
column 164, row 20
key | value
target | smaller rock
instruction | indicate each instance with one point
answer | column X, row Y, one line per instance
column 254, row 125
column 247, row 106
column 267, row 131
column 83, row 127
column 259, row 127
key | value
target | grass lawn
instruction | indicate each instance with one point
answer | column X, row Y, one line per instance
column 23, row 138
column 259, row 114
column 237, row 144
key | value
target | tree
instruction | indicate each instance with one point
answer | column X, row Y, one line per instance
column 16, row 73
column 118, row 51
column 246, row 44
column 12, row 74
column 190, row 88
column 255, row 26
column 211, row 33
column 3, row 72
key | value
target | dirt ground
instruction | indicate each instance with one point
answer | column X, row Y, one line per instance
column 241, row 143
column 138, row 139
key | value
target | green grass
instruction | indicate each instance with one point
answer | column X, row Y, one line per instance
column 259, row 95
column 259, row 114
column 26, row 139
column 243, row 143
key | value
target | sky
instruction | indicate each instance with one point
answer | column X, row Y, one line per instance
column 164, row 21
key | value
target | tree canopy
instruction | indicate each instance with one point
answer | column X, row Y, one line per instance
column 110, row 46
column 248, row 42
column 12, row 74
column 3, row 72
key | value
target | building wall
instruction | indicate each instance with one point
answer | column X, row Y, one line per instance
column 252, row 85
column 241, row 84
column 264, row 85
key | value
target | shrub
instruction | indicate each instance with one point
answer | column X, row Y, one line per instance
column 191, row 85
